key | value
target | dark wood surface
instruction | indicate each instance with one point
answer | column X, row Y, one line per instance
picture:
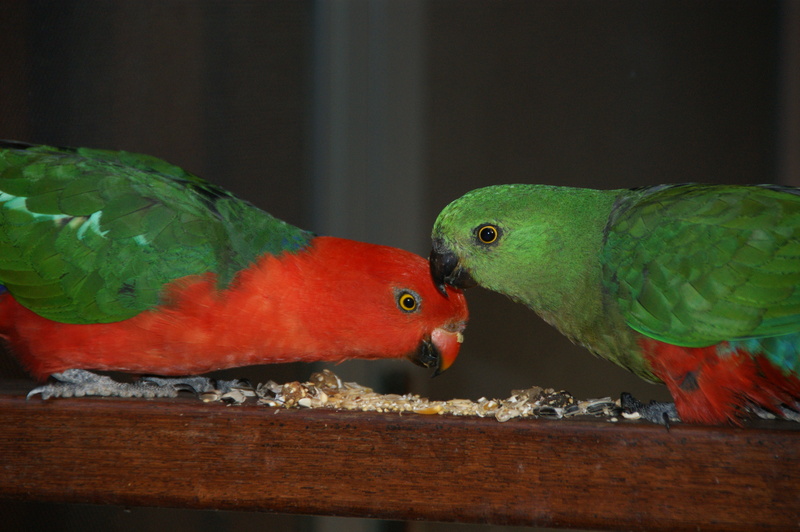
column 584, row 474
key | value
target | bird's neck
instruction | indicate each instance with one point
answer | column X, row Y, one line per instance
column 566, row 285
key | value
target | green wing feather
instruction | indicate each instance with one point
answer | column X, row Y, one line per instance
column 694, row 265
column 92, row 236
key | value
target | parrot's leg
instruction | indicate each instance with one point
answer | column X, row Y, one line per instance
column 79, row 383
column 655, row 412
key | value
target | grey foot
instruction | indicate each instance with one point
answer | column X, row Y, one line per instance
column 79, row 383
column 654, row 412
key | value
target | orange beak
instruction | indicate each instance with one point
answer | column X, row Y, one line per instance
column 448, row 344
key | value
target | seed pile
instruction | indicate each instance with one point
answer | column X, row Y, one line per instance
column 326, row 390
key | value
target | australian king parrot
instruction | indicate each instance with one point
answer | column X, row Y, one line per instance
column 696, row 286
column 117, row 261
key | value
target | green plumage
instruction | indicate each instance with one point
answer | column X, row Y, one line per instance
column 689, row 265
column 697, row 265
column 127, row 224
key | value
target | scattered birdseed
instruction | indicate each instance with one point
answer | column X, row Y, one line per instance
column 326, row 390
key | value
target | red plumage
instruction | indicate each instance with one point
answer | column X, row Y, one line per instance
column 334, row 300
column 709, row 387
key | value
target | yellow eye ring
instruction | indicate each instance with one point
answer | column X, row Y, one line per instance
column 407, row 301
column 487, row 234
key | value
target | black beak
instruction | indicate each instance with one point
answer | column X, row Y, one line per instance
column 445, row 269
column 427, row 356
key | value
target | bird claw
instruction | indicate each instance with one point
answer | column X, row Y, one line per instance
column 656, row 412
column 80, row 383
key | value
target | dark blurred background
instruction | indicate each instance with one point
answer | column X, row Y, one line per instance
column 362, row 119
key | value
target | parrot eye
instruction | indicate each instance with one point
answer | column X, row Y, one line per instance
column 487, row 234
column 408, row 301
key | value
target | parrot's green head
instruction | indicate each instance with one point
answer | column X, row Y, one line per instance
column 529, row 242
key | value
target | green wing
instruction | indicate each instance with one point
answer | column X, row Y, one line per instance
column 91, row 236
column 694, row 265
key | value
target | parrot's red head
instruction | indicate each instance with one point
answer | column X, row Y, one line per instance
column 368, row 301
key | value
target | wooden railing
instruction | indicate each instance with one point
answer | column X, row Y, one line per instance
column 578, row 473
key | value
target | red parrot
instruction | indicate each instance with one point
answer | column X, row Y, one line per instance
column 119, row 261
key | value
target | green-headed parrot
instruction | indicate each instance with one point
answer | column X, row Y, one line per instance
column 696, row 286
